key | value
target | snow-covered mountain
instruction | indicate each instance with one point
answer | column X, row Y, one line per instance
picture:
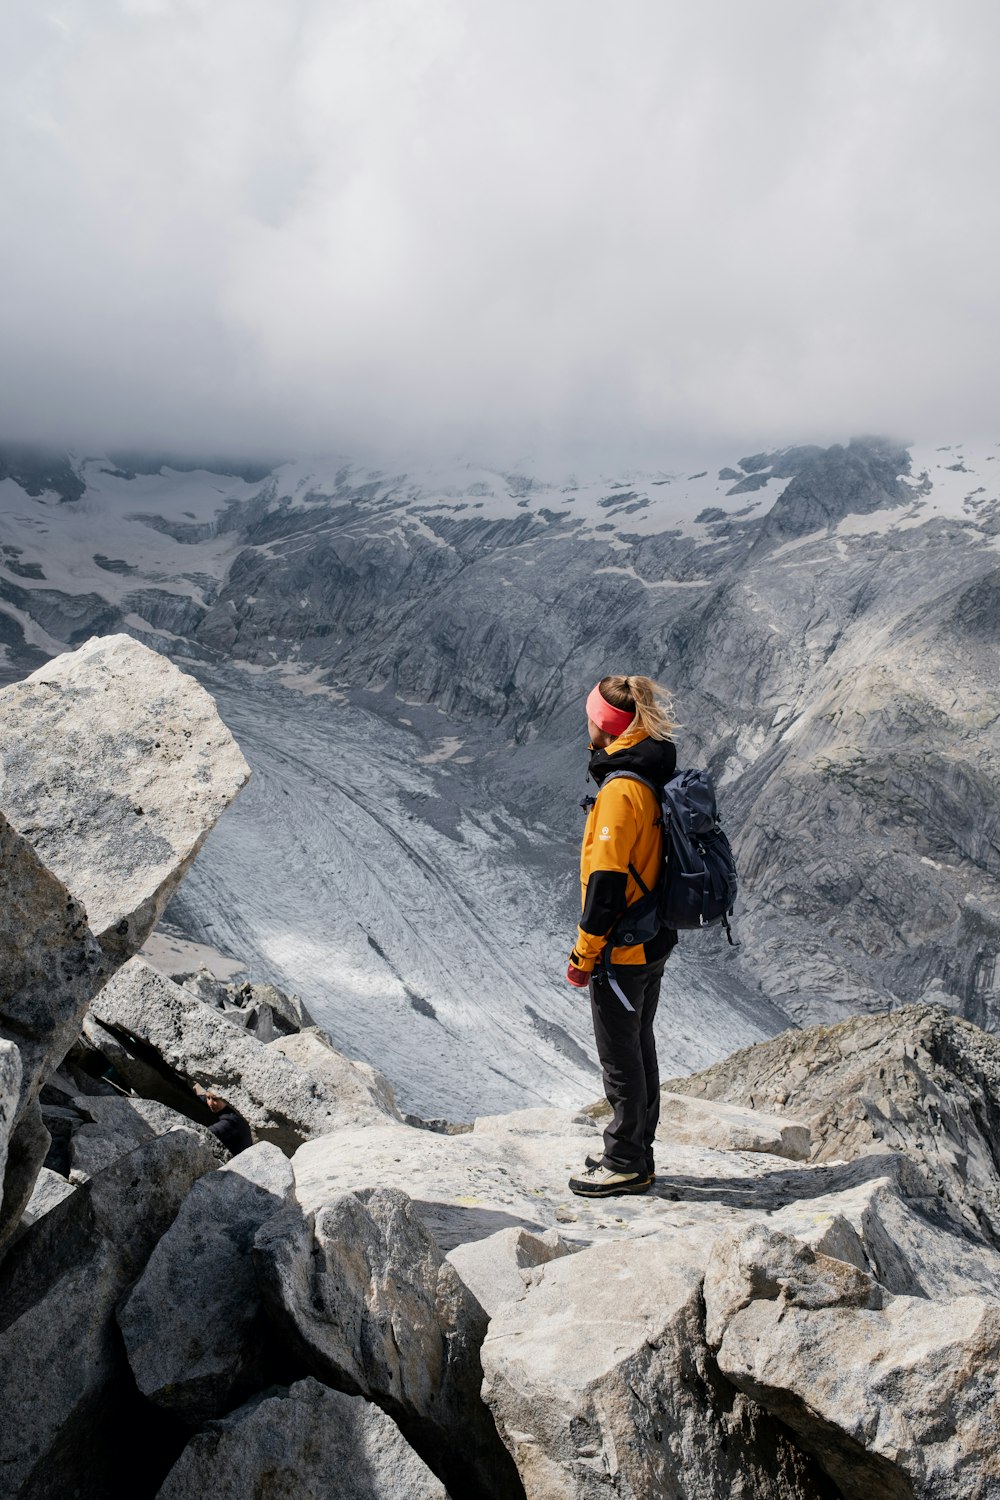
column 403, row 657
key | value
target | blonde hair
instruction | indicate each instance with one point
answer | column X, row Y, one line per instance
column 644, row 697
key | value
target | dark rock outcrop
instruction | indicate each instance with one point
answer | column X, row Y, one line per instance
column 307, row 1441
column 64, row 1380
column 192, row 1324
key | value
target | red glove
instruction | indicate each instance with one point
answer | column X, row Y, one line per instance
column 579, row 978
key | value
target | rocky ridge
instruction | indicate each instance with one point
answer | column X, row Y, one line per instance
column 805, row 1306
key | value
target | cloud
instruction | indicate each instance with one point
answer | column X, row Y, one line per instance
column 287, row 224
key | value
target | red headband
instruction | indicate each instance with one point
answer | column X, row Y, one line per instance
column 604, row 714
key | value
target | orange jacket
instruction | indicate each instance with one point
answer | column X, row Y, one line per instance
column 622, row 829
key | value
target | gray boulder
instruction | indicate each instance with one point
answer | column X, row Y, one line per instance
column 730, row 1127
column 111, row 1126
column 895, row 1396
column 303, row 1443
column 192, row 1324
column 261, row 1009
column 115, row 765
column 64, row 1381
column 891, row 1223
column 919, row 1081
column 10, row 1093
column 282, row 1102
column 364, row 1296
column 26, row 1152
column 498, row 1269
column 50, row 962
column 355, row 1085
column 601, row 1385
column 50, row 1188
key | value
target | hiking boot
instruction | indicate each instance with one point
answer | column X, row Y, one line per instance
column 602, row 1182
column 598, row 1161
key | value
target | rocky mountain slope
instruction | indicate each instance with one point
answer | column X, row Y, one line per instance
column 403, row 656
column 804, row 1307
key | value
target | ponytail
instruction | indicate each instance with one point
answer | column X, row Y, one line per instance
column 650, row 702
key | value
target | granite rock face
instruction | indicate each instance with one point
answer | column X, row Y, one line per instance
column 919, row 1081
column 115, row 765
column 10, row 1093
column 896, row 1396
column 726, row 1127
column 601, row 1385
column 282, row 1102
column 498, row 1268
column 307, row 1442
column 109, row 1127
column 192, row 1324
column 50, row 1188
column 50, row 962
column 64, row 1383
column 366, row 1298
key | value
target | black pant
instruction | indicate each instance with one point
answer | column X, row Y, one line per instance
column 627, row 1049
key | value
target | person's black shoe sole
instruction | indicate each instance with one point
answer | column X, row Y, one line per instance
column 584, row 1189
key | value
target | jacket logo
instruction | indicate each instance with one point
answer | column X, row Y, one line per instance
column 605, row 834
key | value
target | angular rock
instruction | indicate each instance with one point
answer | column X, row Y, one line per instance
column 498, row 1269
column 10, row 1093
column 63, row 1375
column 762, row 1262
column 113, row 1126
column 898, row 1230
column 897, row 1397
column 730, row 1127
column 261, row 1009
column 49, row 1190
column 879, row 1212
column 306, row 1442
column 115, row 765
column 919, row 1081
column 192, row 1324
column 50, row 961
column 601, row 1384
column 537, row 1121
column 282, row 1103
column 355, row 1086
column 365, row 1297
column 143, row 1073
column 26, row 1152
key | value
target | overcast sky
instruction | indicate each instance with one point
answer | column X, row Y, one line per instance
column 498, row 226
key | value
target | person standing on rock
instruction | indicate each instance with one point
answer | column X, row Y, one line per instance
column 631, row 727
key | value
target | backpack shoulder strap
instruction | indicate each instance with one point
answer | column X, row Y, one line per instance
column 631, row 776
column 657, row 793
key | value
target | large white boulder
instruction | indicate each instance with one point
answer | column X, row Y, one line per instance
column 499, row 1268
column 896, row 1396
column 115, row 765
column 601, row 1385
